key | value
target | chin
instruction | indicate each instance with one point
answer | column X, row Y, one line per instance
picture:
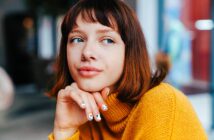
column 90, row 87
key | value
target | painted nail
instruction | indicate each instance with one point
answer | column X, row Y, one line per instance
column 108, row 91
column 90, row 117
column 83, row 104
column 98, row 117
column 104, row 107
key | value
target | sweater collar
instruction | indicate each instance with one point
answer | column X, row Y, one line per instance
column 116, row 116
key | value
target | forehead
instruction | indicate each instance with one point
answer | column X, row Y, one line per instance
column 85, row 18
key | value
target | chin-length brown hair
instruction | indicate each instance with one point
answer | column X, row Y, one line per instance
column 136, row 78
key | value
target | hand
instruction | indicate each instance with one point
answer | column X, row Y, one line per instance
column 75, row 107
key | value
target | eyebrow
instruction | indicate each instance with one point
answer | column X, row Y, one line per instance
column 75, row 31
column 101, row 31
column 105, row 31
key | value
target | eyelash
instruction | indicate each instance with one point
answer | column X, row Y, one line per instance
column 108, row 39
column 79, row 39
column 76, row 40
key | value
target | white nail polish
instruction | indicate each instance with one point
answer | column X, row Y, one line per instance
column 98, row 117
column 83, row 105
column 104, row 107
column 90, row 117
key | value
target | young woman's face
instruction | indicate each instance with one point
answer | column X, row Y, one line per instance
column 95, row 55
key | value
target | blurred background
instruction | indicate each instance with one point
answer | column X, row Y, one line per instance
column 179, row 32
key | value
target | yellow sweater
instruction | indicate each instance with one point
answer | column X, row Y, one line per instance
column 163, row 113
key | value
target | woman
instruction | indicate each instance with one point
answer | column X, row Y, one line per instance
column 105, row 88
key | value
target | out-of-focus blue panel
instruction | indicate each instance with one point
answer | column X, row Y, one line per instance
column 212, row 66
column 160, row 21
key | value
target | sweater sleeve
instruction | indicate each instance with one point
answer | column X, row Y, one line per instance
column 74, row 137
column 164, row 113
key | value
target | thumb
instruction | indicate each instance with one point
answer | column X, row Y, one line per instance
column 105, row 92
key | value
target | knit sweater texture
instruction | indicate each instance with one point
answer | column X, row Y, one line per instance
column 163, row 113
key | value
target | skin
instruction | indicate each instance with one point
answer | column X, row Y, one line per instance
column 90, row 46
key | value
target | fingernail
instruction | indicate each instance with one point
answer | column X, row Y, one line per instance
column 107, row 92
column 83, row 105
column 104, row 107
column 98, row 117
column 90, row 117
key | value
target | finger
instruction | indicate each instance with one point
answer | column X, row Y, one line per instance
column 60, row 94
column 94, row 107
column 105, row 92
column 99, row 101
column 87, row 106
column 63, row 95
column 75, row 96
column 74, row 85
column 88, row 110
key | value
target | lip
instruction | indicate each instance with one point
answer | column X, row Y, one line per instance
column 88, row 71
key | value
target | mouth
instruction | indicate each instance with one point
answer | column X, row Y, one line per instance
column 89, row 72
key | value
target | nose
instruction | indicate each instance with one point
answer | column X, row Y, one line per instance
column 88, row 52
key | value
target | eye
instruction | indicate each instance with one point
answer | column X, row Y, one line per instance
column 76, row 40
column 108, row 41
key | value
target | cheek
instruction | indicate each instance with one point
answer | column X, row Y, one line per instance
column 72, row 55
column 116, row 64
column 69, row 59
column 72, row 59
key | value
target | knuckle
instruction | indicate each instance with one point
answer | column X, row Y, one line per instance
column 73, row 85
column 60, row 92
column 67, row 87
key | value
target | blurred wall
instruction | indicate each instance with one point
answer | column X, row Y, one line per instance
column 7, row 6
column 147, row 11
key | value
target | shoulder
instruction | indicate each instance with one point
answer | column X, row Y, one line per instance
column 165, row 94
column 166, row 99
column 161, row 103
column 154, row 114
column 168, row 108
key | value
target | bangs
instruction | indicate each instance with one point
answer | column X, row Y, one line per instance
column 93, row 15
column 93, row 11
column 102, row 17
